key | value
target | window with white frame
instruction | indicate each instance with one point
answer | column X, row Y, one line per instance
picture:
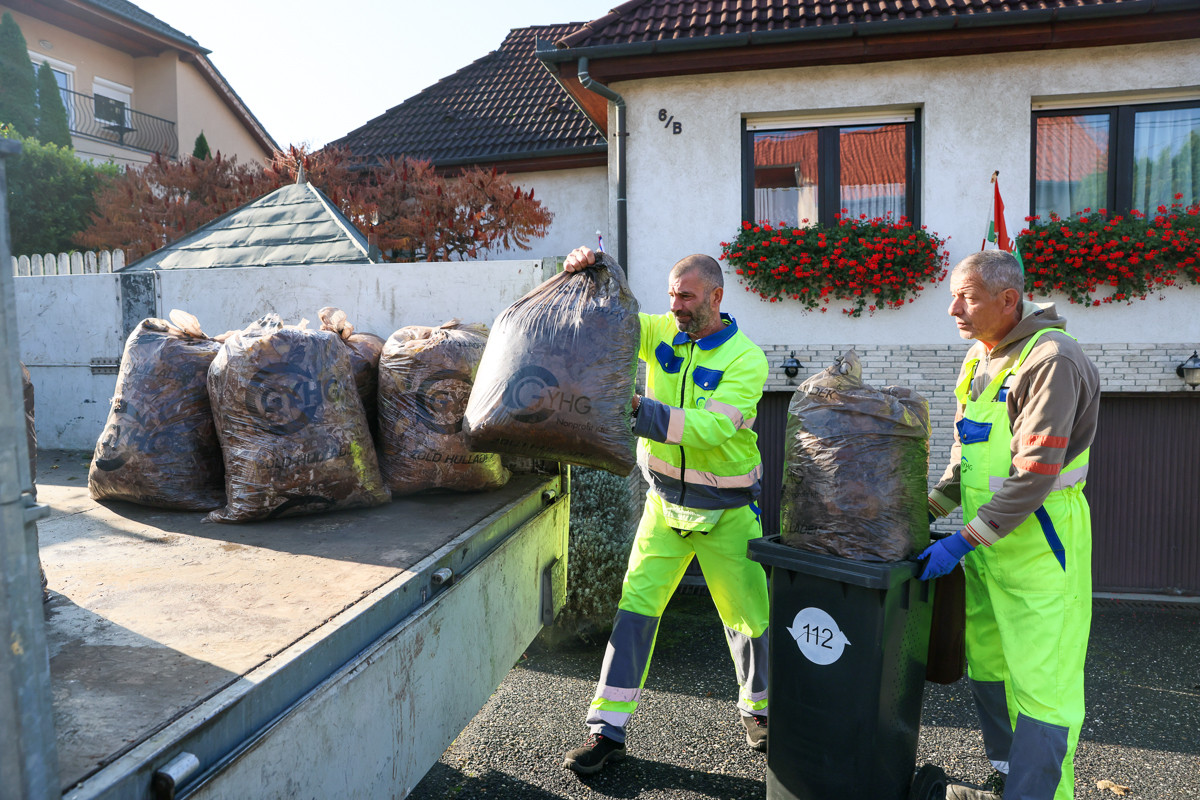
column 1118, row 157
column 803, row 170
column 64, row 76
column 112, row 102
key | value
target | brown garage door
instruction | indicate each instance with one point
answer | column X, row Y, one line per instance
column 1144, row 490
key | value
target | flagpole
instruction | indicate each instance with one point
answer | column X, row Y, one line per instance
column 991, row 214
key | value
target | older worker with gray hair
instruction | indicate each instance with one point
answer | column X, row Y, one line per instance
column 1028, row 400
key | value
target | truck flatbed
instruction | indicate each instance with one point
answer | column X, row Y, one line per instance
column 171, row 635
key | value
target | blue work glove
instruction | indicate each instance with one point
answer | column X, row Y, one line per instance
column 942, row 555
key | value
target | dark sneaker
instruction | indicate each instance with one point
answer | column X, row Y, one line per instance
column 756, row 731
column 928, row 784
column 594, row 754
column 995, row 782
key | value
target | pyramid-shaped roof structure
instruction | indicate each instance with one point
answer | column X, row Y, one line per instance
column 295, row 225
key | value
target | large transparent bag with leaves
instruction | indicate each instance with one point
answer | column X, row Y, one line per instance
column 364, row 350
column 425, row 377
column 159, row 445
column 292, row 427
column 856, row 467
column 556, row 379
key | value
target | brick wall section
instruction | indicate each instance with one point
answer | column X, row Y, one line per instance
column 932, row 369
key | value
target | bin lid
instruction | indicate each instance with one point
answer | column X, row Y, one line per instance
column 869, row 574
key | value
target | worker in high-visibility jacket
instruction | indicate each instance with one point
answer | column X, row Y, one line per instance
column 1028, row 401
column 698, row 452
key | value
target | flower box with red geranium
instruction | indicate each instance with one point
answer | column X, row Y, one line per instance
column 868, row 263
column 1094, row 258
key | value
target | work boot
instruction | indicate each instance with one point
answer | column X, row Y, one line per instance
column 756, row 731
column 594, row 754
column 956, row 790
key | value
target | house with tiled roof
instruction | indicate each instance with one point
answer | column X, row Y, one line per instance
column 133, row 85
column 504, row 111
column 720, row 111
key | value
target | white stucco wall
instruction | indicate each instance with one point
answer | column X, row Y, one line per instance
column 685, row 192
column 578, row 199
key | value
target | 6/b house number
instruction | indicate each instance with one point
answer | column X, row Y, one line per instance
column 669, row 122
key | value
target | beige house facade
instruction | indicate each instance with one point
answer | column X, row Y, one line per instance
column 133, row 86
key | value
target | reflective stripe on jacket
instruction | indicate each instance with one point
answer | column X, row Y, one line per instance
column 698, row 447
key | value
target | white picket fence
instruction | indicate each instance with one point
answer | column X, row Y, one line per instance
column 76, row 263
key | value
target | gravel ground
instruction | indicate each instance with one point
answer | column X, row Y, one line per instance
column 1142, row 728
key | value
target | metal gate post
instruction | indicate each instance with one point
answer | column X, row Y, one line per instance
column 28, row 753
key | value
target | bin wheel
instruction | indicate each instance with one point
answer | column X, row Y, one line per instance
column 928, row 784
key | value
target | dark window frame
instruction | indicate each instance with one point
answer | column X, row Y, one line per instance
column 1120, row 147
column 829, row 171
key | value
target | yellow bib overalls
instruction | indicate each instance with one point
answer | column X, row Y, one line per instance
column 1028, row 605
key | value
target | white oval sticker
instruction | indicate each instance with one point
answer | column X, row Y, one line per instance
column 818, row 636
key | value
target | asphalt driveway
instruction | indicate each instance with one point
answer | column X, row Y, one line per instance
column 1142, row 728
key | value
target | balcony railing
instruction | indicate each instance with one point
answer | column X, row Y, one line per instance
column 110, row 120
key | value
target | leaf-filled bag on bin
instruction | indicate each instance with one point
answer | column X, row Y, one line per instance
column 159, row 445
column 292, row 428
column 856, row 467
column 425, row 377
column 365, row 349
column 556, row 379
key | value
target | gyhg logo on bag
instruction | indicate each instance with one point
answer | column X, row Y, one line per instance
column 533, row 394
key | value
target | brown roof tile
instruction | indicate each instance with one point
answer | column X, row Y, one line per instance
column 674, row 20
column 503, row 106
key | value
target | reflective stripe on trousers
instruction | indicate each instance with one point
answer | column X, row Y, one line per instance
column 659, row 558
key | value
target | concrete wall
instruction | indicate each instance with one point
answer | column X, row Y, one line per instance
column 579, row 200
column 68, row 322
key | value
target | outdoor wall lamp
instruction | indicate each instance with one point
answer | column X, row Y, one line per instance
column 1190, row 371
column 791, row 367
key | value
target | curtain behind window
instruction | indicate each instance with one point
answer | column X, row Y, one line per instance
column 785, row 177
column 1166, row 157
column 872, row 171
column 1071, row 164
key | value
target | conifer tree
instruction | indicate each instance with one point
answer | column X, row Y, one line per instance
column 200, row 149
column 18, row 96
column 52, row 127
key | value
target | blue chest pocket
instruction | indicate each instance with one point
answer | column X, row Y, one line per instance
column 707, row 379
column 667, row 359
column 972, row 432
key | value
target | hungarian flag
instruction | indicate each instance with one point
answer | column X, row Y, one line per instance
column 997, row 229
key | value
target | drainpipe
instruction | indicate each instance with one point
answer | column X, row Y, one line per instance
column 617, row 140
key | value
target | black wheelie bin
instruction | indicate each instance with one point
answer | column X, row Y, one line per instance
column 848, row 644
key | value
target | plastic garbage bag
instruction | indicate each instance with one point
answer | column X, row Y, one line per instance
column 556, row 378
column 856, row 467
column 425, row 377
column 365, row 349
column 292, row 428
column 159, row 446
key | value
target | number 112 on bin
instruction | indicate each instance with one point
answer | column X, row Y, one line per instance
column 818, row 636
